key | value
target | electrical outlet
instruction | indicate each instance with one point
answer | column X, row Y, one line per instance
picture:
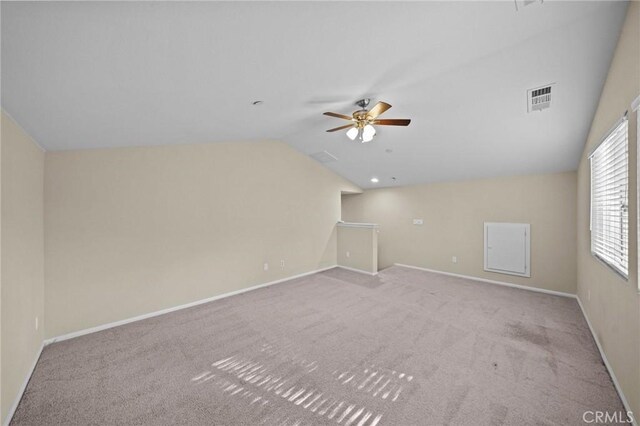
column 454, row 259
column 348, row 254
column 266, row 266
column 37, row 324
column 282, row 263
column 418, row 221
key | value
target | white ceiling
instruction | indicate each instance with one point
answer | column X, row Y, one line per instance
column 100, row 74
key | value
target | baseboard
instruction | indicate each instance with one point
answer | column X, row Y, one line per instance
column 358, row 270
column 484, row 280
column 13, row 408
column 606, row 363
column 176, row 308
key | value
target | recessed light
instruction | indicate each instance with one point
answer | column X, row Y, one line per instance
column 256, row 103
column 374, row 180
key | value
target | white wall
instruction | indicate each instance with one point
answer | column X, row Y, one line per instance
column 358, row 247
column 22, row 258
column 135, row 230
column 454, row 214
column 612, row 303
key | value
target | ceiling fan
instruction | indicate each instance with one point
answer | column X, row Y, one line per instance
column 363, row 120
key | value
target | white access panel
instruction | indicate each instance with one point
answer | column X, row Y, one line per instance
column 507, row 248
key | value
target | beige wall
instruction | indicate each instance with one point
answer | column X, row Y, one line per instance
column 358, row 247
column 135, row 230
column 22, row 258
column 454, row 215
column 612, row 303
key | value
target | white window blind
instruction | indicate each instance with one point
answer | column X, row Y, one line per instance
column 609, row 200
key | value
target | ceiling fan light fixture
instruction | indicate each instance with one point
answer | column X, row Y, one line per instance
column 368, row 133
column 362, row 122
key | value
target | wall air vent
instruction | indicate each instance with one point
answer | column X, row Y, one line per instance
column 539, row 99
column 324, row 157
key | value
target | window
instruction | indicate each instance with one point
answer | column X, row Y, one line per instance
column 609, row 200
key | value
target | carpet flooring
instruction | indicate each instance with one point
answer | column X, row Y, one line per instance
column 406, row 347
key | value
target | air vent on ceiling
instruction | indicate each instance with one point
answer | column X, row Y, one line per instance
column 324, row 157
column 539, row 99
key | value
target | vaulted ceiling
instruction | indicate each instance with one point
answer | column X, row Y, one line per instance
column 110, row 74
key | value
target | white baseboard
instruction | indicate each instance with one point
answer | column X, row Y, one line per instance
column 358, row 270
column 484, row 280
column 13, row 408
column 176, row 308
column 606, row 363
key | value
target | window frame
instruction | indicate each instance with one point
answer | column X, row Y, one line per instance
column 635, row 107
column 624, row 243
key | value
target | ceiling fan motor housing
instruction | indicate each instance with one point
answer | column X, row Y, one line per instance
column 361, row 117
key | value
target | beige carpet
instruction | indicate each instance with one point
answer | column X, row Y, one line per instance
column 404, row 348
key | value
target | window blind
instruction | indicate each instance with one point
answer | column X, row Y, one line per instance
column 609, row 199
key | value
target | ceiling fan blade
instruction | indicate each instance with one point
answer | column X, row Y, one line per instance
column 378, row 109
column 392, row 122
column 340, row 128
column 344, row 117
